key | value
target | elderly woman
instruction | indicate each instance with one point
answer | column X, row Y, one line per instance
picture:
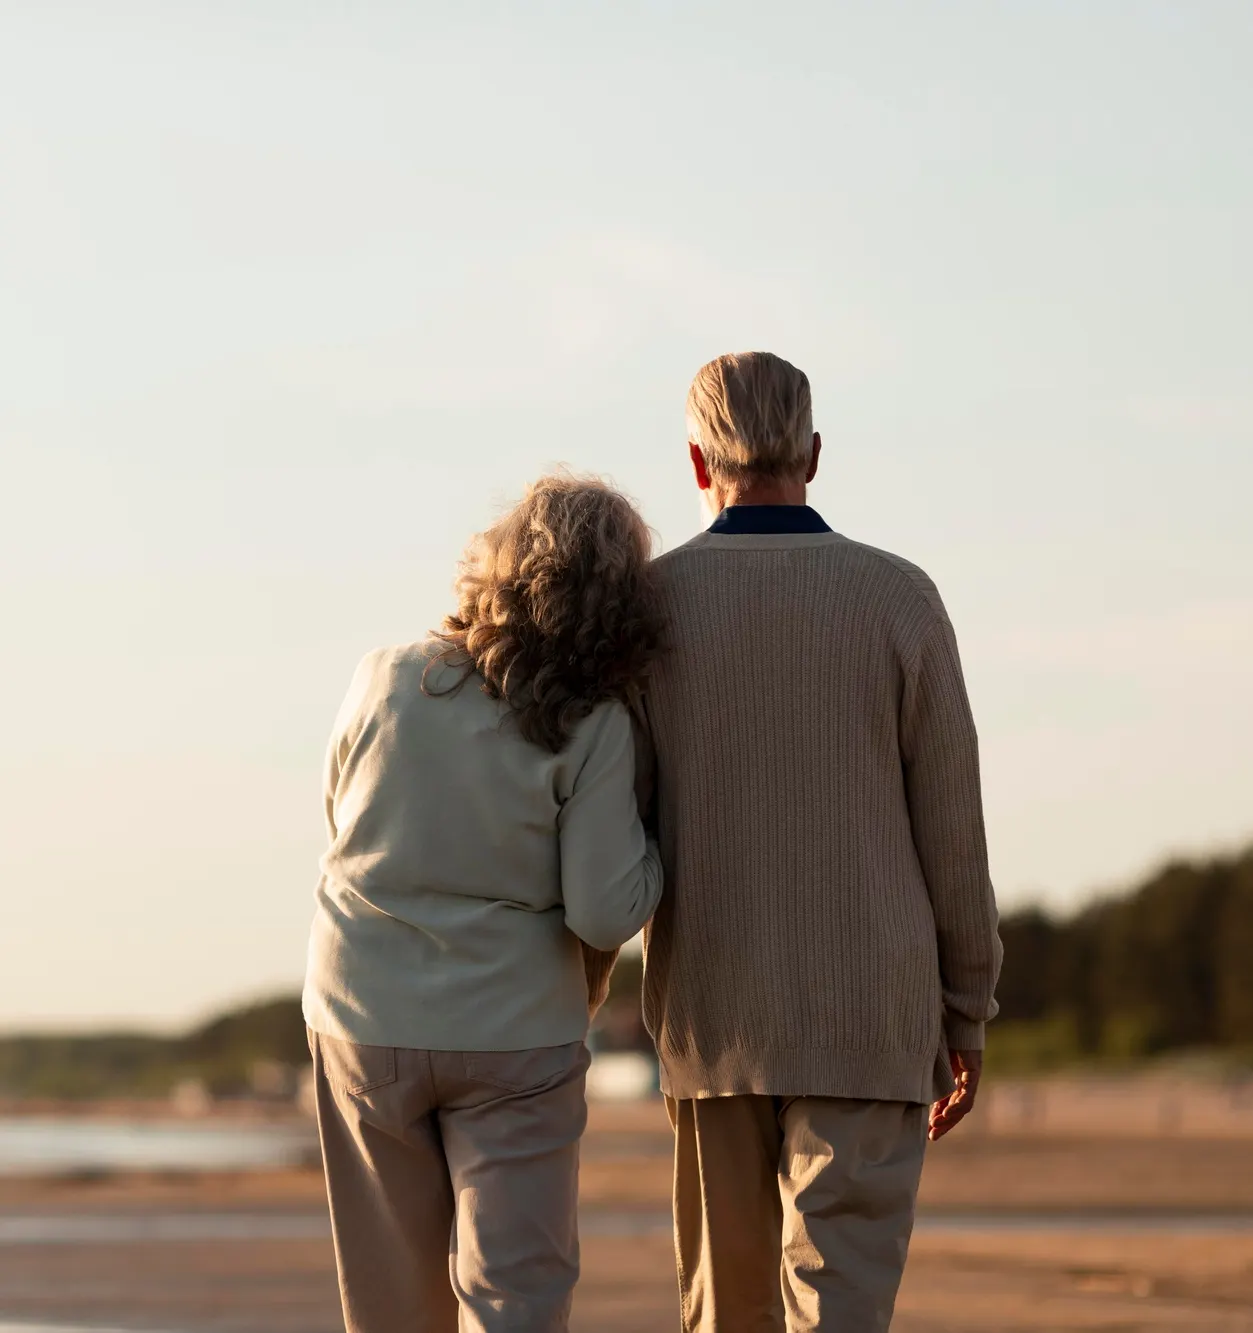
column 486, row 857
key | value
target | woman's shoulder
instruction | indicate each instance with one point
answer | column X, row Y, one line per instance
column 392, row 673
column 401, row 660
column 608, row 740
column 608, row 724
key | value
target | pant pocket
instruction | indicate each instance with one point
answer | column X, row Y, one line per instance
column 525, row 1071
column 355, row 1069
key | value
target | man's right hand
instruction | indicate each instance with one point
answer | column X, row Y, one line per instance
column 948, row 1111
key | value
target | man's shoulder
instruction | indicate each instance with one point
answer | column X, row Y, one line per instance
column 886, row 568
column 897, row 571
column 668, row 562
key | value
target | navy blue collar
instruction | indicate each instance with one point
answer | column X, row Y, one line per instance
column 739, row 520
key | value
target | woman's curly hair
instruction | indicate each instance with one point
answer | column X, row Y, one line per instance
column 557, row 606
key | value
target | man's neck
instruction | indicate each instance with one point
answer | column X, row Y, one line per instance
column 767, row 491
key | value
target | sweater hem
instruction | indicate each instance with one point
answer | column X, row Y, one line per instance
column 370, row 1030
column 809, row 1071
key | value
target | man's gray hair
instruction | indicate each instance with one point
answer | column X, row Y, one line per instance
column 751, row 413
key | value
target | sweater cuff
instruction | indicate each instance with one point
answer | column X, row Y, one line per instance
column 598, row 966
column 963, row 1035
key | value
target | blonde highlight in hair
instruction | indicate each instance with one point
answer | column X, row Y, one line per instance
column 752, row 415
column 557, row 607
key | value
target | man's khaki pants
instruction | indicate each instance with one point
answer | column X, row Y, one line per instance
column 793, row 1213
column 453, row 1184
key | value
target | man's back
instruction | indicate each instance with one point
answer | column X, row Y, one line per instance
column 828, row 924
column 828, row 916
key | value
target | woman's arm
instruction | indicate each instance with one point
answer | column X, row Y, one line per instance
column 610, row 871
column 348, row 724
column 645, row 755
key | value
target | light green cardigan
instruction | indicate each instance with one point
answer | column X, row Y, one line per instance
column 467, row 864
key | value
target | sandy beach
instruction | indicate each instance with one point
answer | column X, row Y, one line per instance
column 1014, row 1234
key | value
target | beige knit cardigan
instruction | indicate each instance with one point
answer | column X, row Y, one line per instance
column 828, row 925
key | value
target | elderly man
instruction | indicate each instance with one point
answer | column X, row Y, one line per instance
column 825, row 956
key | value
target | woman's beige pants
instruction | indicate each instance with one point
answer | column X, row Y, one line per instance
column 453, row 1184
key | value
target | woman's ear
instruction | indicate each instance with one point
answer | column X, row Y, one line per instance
column 813, row 459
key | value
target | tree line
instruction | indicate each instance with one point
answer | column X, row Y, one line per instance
column 221, row 1053
column 1166, row 967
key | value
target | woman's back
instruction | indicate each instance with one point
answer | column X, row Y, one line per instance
column 480, row 800
column 462, row 858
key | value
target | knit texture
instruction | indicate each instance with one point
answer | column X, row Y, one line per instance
column 828, row 926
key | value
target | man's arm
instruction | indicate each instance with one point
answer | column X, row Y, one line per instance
column 598, row 965
column 940, row 753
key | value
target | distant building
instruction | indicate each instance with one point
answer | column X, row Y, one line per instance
column 622, row 1076
column 191, row 1097
column 272, row 1081
column 306, row 1091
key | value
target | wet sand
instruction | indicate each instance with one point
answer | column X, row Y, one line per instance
column 995, row 1251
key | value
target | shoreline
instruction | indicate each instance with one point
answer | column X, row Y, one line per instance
column 302, row 1187
column 1025, row 1234
column 627, row 1163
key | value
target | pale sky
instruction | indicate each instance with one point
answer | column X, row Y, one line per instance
column 294, row 296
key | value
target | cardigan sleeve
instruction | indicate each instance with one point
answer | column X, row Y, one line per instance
column 610, row 870
column 345, row 732
column 940, row 754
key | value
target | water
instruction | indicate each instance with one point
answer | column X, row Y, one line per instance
column 146, row 1228
column 60, row 1328
column 41, row 1145
column 143, row 1228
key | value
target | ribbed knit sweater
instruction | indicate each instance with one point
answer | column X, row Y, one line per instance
column 828, row 926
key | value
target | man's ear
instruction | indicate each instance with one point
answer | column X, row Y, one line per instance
column 699, row 466
column 813, row 459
